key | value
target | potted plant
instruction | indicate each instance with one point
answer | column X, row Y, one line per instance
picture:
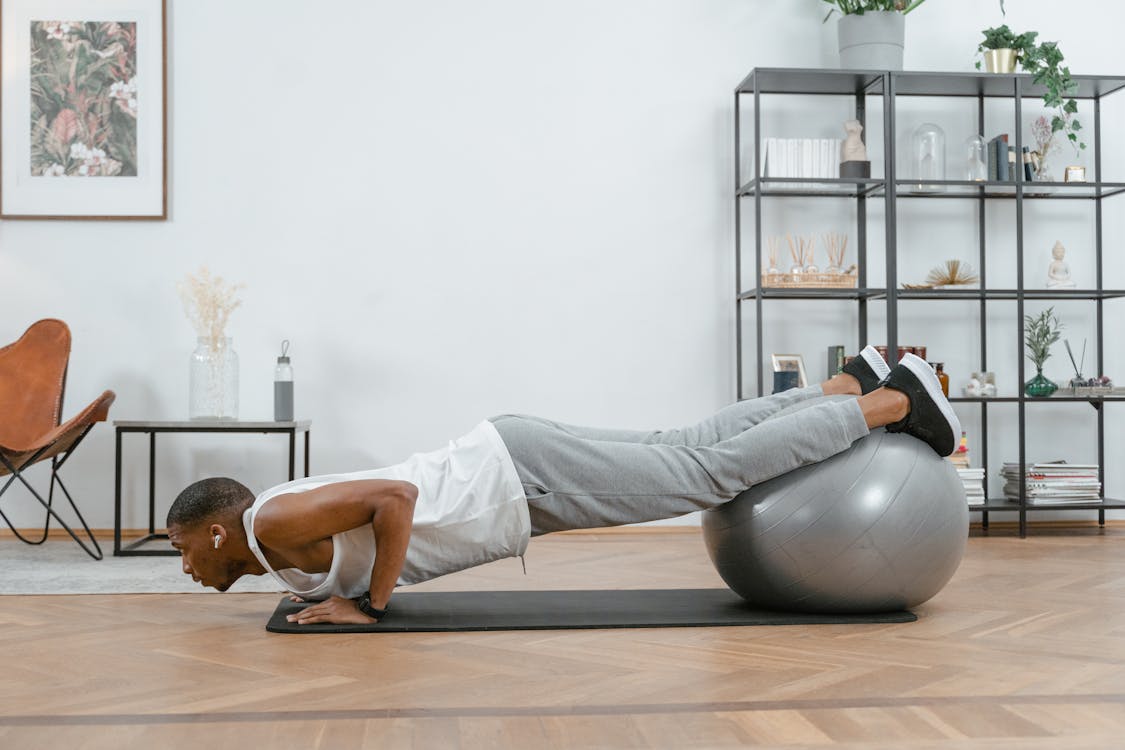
column 871, row 32
column 1041, row 331
column 1002, row 48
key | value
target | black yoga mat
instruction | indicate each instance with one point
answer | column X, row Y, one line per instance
column 559, row 610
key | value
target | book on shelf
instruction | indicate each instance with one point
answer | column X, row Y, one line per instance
column 809, row 158
column 973, row 482
column 998, row 158
column 835, row 360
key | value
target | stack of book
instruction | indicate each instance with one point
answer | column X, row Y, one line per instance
column 1005, row 164
column 973, row 481
column 1053, row 482
column 816, row 158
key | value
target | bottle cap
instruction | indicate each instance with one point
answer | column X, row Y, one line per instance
column 284, row 358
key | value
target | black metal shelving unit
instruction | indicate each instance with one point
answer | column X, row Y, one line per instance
column 750, row 195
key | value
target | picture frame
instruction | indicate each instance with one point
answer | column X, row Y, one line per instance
column 1074, row 174
column 83, row 109
column 791, row 363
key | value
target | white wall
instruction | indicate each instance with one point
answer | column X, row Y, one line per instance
column 452, row 210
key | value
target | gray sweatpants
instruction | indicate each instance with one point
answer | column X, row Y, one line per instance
column 588, row 477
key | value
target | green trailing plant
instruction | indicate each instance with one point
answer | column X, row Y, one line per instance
column 1040, row 332
column 1044, row 63
column 1043, row 60
column 859, row 7
column 1001, row 37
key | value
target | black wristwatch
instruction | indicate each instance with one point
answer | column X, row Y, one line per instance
column 363, row 604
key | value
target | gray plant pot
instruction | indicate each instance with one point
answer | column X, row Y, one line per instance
column 872, row 41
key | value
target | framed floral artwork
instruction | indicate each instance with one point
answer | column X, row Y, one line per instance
column 83, row 109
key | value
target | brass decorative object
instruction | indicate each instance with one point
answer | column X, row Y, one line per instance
column 951, row 273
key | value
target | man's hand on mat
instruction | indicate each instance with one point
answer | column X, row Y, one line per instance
column 336, row 610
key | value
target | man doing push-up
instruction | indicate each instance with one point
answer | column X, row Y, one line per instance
column 346, row 541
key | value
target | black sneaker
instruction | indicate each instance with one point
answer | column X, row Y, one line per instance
column 931, row 418
column 869, row 368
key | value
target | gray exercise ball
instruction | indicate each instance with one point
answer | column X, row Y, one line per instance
column 879, row 527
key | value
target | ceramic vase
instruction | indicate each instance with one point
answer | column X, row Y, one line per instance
column 872, row 41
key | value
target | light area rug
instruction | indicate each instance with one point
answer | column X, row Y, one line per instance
column 61, row 567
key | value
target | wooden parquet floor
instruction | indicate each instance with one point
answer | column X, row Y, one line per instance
column 1024, row 649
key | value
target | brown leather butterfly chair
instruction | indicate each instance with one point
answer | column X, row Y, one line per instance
column 32, row 381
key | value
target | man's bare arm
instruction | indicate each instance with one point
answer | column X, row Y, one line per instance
column 292, row 521
column 392, row 523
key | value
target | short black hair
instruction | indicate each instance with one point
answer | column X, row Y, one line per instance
column 216, row 498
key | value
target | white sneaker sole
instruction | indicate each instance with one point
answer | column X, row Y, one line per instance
column 928, row 378
column 875, row 361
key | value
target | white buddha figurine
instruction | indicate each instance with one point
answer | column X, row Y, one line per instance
column 1058, row 273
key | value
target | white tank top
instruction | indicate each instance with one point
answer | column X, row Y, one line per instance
column 471, row 509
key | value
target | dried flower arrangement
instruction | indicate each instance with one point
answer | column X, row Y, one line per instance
column 1044, row 135
column 208, row 302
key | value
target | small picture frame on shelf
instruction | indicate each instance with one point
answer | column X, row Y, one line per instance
column 790, row 363
column 1074, row 174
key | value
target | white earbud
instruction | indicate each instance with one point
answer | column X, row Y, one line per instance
column 217, row 540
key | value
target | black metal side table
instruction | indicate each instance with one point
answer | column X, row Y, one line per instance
column 152, row 428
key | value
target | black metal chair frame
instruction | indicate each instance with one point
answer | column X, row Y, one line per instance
column 56, row 464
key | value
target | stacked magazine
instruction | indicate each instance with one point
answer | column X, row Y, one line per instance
column 1053, row 482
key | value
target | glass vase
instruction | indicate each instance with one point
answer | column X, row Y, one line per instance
column 213, row 380
column 976, row 159
column 1042, row 170
column 1039, row 386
